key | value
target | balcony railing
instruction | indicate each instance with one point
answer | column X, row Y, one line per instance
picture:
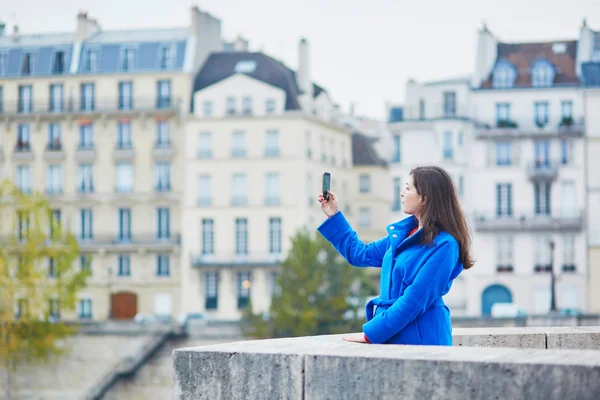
column 230, row 258
column 543, row 171
column 436, row 111
column 566, row 220
column 133, row 241
column 101, row 106
column 527, row 126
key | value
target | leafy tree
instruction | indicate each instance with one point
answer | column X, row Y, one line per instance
column 37, row 280
column 315, row 288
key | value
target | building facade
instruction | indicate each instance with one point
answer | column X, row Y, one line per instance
column 93, row 119
column 256, row 146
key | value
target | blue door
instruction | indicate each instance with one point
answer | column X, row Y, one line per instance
column 494, row 294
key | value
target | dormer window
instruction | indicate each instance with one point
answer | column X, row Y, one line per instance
column 128, row 59
column 245, row 67
column 28, row 63
column 542, row 74
column 167, row 56
column 58, row 64
column 90, row 60
column 504, row 75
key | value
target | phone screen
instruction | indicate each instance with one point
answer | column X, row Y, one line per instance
column 326, row 185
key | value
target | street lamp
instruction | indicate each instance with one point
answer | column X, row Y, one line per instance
column 552, row 280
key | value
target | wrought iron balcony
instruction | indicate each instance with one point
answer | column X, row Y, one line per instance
column 54, row 151
column 528, row 127
column 543, row 171
column 566, row 220
column 130, row 242
column 230, row 258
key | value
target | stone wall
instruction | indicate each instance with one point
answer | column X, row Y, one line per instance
column 511, row 363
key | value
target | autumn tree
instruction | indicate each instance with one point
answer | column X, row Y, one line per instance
column 38, row 280
column 316, row 287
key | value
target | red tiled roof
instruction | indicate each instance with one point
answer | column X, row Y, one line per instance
column 523, row 55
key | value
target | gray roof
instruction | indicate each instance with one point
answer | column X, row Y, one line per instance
column 221, row 66
column 590, row 72
column 363, row 151
column 7, row 41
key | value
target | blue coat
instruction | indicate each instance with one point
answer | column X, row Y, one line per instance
column 410, row 309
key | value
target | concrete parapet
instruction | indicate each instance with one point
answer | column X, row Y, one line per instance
column 325, row 367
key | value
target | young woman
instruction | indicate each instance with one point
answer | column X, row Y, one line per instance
column 419, row 258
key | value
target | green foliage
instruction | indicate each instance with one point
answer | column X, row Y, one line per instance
column 29, row 298
column 315, row 288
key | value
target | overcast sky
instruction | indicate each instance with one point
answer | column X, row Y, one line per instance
column 362, row 51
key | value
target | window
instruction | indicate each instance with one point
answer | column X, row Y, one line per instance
column 461, row 185
column 449, row 104
column 23, row 138
column 54, row 179
column 504, row 75
column 58, row 64
column 307, row 145
column 241, row 236
column 272, row 144
column 85, row 263
column 162, row 265
column 22, row 224
column 364, row 217
column 163, row 230
column 421, row 109
column 270, row 106
column 396, row 157
column 207, row 108
column 25, row 98
column 90, row 60
column 244, row 283
column 163, row 98
column 504, row 254
column 86, row 136
column 230, row 106
column 162, row 176
column 397, row 199
column 541, row 113
column 504, row 199
column 28, row 65
column 124, row 135
column 84, row 309
column 239, row 190
column 245, row 66
column 125, row 94
column 211, row 300
column 364, row 183
column 332, row 151
column 502, row 114
column 542, row 198
column 124, row 224
column 163, row 134
column 238, row 148
column 566, row 151
column 124, row 178
column 275, row 235
column 503, row 156
column 569, row 264
column 323, row 149
column 204, row 149
column 23, row 178
column 204, row 190
column 247, row 105
column 3, row 62
column 542, row 153
column 567, row 110
column 56, row 98
column 87, row 97
column 22, row 308
column 55, row 223
column 275, row 287
column 54, row 143
column 124, row 261
column 52, row 268
column 542, row 253
column 85, row 181
column 54, row 309
column 542, row 74
column 309, row 188
column 273, row 189
column 448, row 151
column 85, row 224
column 208, row 236
column 167, row 56
column 1, row 96
column 344, row 155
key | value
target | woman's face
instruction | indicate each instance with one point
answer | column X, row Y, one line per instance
column 412, row 202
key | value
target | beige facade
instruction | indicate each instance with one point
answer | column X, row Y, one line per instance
column 592, row 99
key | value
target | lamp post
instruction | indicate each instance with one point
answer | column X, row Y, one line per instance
column 552, row 280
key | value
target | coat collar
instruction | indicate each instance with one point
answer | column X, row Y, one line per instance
column 403, row 227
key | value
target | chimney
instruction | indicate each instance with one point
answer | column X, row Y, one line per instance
column 86, row 27
column 485, row 55
column 2, row 28
column 15, row 34
column 303, row 75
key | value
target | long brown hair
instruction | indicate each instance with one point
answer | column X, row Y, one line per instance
column 442, row 210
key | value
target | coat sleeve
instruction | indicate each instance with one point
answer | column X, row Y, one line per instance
column 428, row 285
column 340, row 234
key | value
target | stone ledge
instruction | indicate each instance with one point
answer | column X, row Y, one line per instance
column 325, row 367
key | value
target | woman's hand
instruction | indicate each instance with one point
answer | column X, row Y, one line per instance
column 355, row 337
column 330, row 206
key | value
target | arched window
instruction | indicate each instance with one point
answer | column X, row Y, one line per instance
column 542, row 74
column 494, row 294
column 504, row 75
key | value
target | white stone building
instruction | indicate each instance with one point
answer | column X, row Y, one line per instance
column 256, row 145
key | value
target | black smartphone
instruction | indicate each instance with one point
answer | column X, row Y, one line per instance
column 326, row 184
